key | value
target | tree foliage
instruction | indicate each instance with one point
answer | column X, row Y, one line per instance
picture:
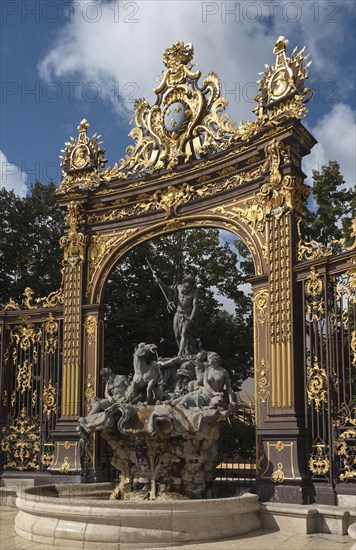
column 335, row 205
column 136, row 309
column 30, row 228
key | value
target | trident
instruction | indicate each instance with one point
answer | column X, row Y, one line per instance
column 170, row 305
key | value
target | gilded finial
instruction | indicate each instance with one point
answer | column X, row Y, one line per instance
column 83, row 125
column 281, row 45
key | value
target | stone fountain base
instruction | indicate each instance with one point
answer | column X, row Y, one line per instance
column 82, row 516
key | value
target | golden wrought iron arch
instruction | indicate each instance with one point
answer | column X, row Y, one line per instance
column 124, row 245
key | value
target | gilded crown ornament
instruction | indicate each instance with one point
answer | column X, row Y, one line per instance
column 178, row 53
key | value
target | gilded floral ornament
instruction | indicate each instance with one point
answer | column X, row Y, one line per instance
column 319, row 462
column 82, row 160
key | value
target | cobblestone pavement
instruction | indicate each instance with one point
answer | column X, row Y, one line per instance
column 262, row 539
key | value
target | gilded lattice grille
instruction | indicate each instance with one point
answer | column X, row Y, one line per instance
column 30, row 395
column 330, row 371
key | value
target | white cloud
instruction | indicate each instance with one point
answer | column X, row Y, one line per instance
column 12, row 177
column 123, row 52
column 336, row 135
column 116, row 43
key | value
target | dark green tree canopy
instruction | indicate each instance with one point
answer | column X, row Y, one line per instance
column 335, row 205
column 30, row 228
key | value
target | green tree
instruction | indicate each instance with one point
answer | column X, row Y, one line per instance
column 135, row 309
column 30, row 228
column 335, row 205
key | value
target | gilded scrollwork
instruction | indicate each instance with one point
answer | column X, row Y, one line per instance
column 314, row 292
column 278, row 475
column 26, row 336
column 49, row 399
column 90, row 328
column 280, row 194
column 20, row 443
column 171, row 198
column 313, row 250
column 74, row 243
column 345, row 440
column 261, row 301
column 263, row 383
column 51, row 334
column 100, row 246
column 174, row 224
column 89, row 391
column 316, row 385
column 188, row 122
column 53, row 299
column 346, row 285
column 13, row 398
column 4, row 398
column 24, row 376
column 281, row 89
column 34, row 399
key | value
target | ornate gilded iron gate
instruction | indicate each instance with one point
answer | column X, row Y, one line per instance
column 30, row 396
column 330, row 374
column 192, row 167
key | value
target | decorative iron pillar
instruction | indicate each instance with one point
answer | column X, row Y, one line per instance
column 66, row 457
column 280, row 466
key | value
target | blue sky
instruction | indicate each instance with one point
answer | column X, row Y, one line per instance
column 65, row 60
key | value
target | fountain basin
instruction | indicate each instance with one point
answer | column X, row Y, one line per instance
column 82, row 516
